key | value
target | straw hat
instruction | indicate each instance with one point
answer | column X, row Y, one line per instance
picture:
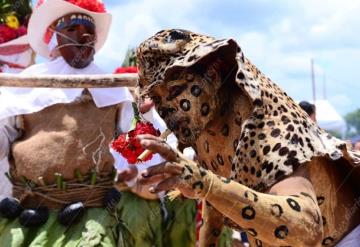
column 51, row 10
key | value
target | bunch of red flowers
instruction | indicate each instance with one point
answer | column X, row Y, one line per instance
column 94, row 6
column 128, row 145
column 129, row 69
column 8, row 33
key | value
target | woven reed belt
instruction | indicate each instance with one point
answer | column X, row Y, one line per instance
column 54, row 198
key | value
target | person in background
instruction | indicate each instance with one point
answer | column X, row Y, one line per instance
column 309, row 108
column 15, row 55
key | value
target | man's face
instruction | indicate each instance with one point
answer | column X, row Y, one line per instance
column 76, row 38
column 188, row 101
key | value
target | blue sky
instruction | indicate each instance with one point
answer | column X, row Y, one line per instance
column 279, row 37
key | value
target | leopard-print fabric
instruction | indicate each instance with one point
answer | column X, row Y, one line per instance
column 277, row 137
column 274, row 138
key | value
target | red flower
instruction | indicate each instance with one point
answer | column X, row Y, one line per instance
column 7, row 34
column 127, row 144
column 21, row 31
column 92, row 5
column 122, row 70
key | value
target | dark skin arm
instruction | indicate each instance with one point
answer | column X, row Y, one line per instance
column 286, row 215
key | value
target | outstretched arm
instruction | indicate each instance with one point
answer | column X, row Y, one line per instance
column 287, row 215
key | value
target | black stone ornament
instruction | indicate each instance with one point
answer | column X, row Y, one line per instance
column 34, row 217
column 10, row 208
column 112, row 198
column 71, row 214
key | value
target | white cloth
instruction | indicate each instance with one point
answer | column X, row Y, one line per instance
column 52, row 46
column 22, row 59
column 6, row 69
column 7, row 131
column 352, row 239
column 16, row 101
column 5, row 185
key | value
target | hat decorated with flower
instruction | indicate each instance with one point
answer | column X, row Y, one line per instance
column 47, row 12
column 14, row 16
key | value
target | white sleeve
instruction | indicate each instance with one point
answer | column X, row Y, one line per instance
column 8, row 134
column 125, row 117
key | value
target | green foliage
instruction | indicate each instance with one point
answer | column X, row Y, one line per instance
column 130, row 58
column 353, row 120
column 334, row 133
column 20, row 8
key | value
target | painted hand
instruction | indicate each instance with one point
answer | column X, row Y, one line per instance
column 177, row 172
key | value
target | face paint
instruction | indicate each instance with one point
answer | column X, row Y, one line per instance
column 76, row 37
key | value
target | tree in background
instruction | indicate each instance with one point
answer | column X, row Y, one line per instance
column 129, row 63
column 14, row 16
column 19, row 8
column 353, row 122
column 130, row 58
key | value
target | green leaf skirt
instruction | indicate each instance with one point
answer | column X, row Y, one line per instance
column 134, row 223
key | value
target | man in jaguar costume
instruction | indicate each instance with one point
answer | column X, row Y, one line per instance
column 263, row 166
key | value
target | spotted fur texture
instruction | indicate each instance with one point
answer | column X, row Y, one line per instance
column 265, row 139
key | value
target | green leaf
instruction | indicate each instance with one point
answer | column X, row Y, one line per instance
column 137, row 117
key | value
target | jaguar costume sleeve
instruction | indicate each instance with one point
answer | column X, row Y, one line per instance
column 270, row 218
column 249, row 136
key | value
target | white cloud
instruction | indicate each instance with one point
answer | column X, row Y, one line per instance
column 340, row 101
column 280, row 37
column 138, row 20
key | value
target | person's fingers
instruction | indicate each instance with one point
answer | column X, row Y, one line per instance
column 146, row 105
column 153, row 179
column 150, row 137
column 127, row 174
column 167, row 184
column 166, row 167
column 157, row 145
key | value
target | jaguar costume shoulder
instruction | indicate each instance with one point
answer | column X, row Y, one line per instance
column 249, row 132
